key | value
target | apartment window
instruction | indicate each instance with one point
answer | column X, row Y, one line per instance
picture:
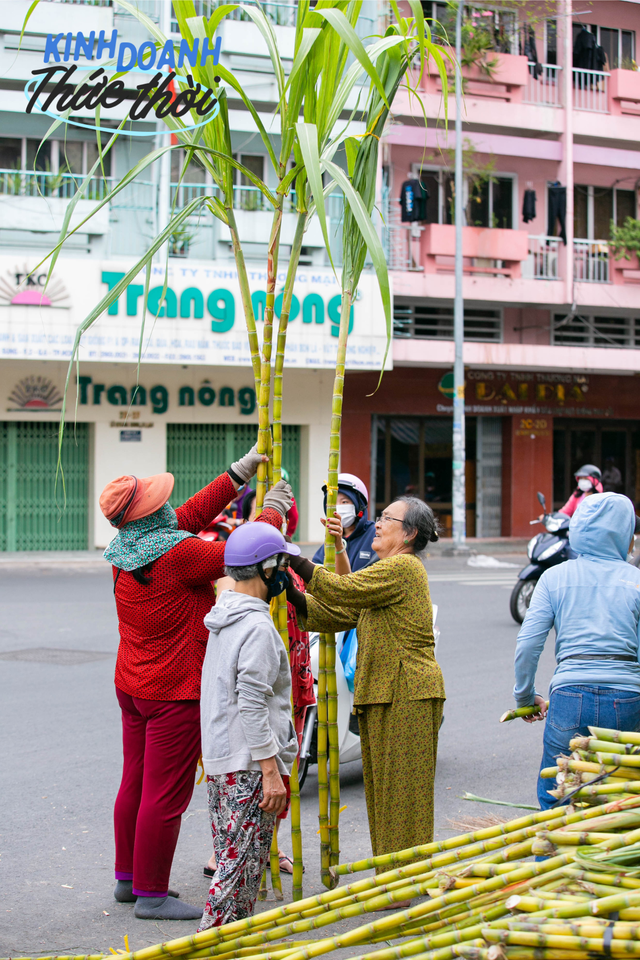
column 595, row 207
column 10, row 153
column 619, row 45
column 486, row 205
column 79, row 156
column 551, row 42
column 596, row 331
column 250, row 198
column 195, row 172
column 424, row 321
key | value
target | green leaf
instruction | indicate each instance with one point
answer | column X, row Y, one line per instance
column 351, row 147
column 265, row 28
column 308, row 141
column 351, row 39
column 309, row 37
column 372, row 240
column 26, row 20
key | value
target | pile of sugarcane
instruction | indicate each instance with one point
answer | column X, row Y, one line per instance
column 604, row 766
column 477, row 895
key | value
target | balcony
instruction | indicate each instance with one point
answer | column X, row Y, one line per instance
column 254, row 215
column 490, row 252
column 506, row 82
column 591, row 90
column 593, row 262
column 542, row 262
column 544, row 90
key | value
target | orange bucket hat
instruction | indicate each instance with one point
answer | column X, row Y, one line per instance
column 132, row 498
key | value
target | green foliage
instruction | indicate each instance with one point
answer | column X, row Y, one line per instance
column 625, row 240
column 478, row 38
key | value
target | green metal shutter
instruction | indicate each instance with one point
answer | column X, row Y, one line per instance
column 34, row 514
column 197, row 453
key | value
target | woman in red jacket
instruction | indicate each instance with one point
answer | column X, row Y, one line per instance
column 162, row 584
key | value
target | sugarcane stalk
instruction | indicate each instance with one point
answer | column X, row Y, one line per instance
column 323, row 779
column 245, row 294
column 264, row 397
column 276, row 882
column 616, row 736
column 521, row 712
column 551, row 941
column 263, row 891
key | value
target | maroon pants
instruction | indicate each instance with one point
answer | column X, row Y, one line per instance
column 161, row 746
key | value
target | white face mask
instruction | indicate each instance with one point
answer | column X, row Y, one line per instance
column 584, row 484
column 347, row 513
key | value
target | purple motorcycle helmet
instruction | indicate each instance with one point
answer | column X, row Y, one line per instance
column 253, row 542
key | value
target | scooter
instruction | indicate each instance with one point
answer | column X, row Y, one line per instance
column 544, row 550
column 348, row 729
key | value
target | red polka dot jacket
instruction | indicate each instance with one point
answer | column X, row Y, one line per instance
column 163, row 638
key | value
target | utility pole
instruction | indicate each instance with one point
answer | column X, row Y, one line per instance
column 459, row 506
column 164, row 164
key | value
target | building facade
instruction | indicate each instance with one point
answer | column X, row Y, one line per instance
column 191, row 407
column 552, row 323
column 552, row 318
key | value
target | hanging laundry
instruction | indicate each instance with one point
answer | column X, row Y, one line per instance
column 531, row 51
column 413, row 201
column 529, row 206
column 557, row 211
column 584, row 51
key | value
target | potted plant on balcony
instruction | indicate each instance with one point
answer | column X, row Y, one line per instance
column 625, row 243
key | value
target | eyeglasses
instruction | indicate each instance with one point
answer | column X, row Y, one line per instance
column 383, row 518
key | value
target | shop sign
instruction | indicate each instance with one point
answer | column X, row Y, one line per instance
column 24, row 289
column 523, row 394
column 92, row 393
column 193, row 315
column 40, row 394
column 131, row 436
column 35, row 395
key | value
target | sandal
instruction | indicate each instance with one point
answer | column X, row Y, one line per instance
column 286, row 864
column 208, row 871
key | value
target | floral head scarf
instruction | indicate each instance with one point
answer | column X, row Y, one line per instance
column 142, row 541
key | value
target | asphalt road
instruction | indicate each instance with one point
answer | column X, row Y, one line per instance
column 60, row 753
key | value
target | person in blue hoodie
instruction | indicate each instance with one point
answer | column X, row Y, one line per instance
column 594, row 604
column 359, row 531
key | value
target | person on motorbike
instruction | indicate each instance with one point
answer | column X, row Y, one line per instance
column 594, row 604
column 359, row 531
column 589, row 481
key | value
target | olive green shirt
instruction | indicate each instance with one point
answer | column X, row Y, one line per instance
column 390, row 605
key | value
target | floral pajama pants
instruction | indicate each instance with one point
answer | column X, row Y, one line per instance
column 242, row 835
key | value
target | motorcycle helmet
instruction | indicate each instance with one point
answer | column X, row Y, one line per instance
column 589, row 470
column 354, row 488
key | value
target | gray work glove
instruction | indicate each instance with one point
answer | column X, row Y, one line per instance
column 279, row 498
column 246, row 467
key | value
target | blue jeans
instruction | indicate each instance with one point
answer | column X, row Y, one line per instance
column 572, row 710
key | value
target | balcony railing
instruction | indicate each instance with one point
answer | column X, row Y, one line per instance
column 591, row 261
column 27, row 183
column 591, row 90
column 542, row 262
column 279, row 12
column 544, row 90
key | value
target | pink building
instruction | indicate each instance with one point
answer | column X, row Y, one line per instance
column 551, row 126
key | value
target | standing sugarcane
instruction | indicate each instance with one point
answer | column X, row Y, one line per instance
column 318, row 88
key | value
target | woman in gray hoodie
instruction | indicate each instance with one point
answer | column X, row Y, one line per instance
column 248, row 739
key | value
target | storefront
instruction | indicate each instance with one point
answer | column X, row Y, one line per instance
column 192, row 409
column 525, row 432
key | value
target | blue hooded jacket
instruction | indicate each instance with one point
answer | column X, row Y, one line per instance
column 593, row 602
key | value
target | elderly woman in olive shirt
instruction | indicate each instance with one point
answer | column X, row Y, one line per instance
column 399, row 691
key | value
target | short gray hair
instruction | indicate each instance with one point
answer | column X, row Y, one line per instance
column 419, row 519
column 248, row 573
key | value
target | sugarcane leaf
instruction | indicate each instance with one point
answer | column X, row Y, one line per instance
column 308, row 141
column 265, row 28
column 309, row 37
column 217, row 209
column 351, row 146
column 497, row 803
column 197, row 25
column 372, row 240
column 26, row 21
column 351, row 39
column 418, row 15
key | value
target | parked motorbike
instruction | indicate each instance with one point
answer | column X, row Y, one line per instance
column 348, row 729
column 220, row 528
column 544, row 550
